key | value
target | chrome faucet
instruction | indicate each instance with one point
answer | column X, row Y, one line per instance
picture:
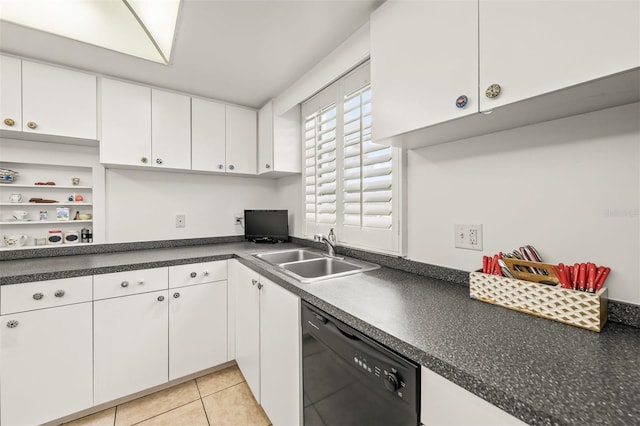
column 330, row 242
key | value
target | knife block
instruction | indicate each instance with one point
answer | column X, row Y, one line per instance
column 577, row 308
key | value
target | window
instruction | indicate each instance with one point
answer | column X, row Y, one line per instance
column 350, row 183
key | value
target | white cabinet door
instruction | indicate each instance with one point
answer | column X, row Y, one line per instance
column 280, row 362
column 535, row 47
column 197, row 328
column 10, row 93
column 242, row 137
column 130, row 344
column 441, row 401
column 125, row 123
column 170, row 130
column 279, row 140
column 57, row 101
column 46, row 364
column 208, row 136
column 265, row 138
column 424, row 55
column 248, row 327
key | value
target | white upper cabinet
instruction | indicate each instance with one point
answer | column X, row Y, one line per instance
column 432, row 62
column 126, row 123
column 424, row 55
column 10, row 93
column 535, row 47
column 241, row 146
column 170, row 130
column 278, row 141
column 54, row 101
column 208, row 136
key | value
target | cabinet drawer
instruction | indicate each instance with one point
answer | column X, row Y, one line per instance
column 129, row 282
column 44, row 294
column 197, row 273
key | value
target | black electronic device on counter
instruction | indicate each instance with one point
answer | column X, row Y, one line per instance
column 266, row 226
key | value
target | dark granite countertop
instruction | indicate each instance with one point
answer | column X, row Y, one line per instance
column 538, row 370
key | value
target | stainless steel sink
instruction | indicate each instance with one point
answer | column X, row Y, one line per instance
column 308, row 266
column 287, row 256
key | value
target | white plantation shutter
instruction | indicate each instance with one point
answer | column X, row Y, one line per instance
column 350, row 183
column 367, row 176
column 320, row 166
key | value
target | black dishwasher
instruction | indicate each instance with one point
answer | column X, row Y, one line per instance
column 349, row 379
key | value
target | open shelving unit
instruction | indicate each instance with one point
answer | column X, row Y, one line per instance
column 35, row 229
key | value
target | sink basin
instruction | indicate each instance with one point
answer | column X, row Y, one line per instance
column 287, row 256
column 308, row 266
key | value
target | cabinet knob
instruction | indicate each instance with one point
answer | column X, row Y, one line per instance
column 160, row 298
column 231, row 167
column 461, row 102
column 9, row 122
column 140, row 282
column 32, row 125
column 267, row 166
column 38, row 296
column 124, row 284
column 176, row 295
column 59, row 293
column 493, row 91
column 12, row 323
column 221, row 166
column 254, row 282
column 260, row 286
column 206, row 273
column 144, row 160
column 158, row 160
column 193, row 274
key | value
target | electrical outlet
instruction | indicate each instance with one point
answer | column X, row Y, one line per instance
column 180, row 221
column 468, row 236
column 238, row 219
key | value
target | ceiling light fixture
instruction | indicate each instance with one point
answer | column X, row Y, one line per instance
column 142, row 28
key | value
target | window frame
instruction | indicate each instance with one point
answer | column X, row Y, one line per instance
column 370, row 239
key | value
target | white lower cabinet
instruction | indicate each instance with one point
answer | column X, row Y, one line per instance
column 441, row 401
column 268, row 343
column 130, row 344
column 45, row 364
column 197, row 317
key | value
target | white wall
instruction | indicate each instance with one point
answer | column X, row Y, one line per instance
column 290, row 198
column 570, row 187
column 142, row 205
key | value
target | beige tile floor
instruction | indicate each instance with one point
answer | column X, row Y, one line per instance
column 220, row 398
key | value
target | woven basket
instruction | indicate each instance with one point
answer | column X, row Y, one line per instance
column 584, row 310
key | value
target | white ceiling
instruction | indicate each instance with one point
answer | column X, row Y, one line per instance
column 239, row 51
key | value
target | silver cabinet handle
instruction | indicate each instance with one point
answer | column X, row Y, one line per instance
column 38, row 296
column 493, row 91
column 254, row 282
column 12, row 323
column 124, row 284
column 267, row 166
column 260, row 286
column 176, row 295
column 221, row 166
column 158, row 160
column 160, row 298
column 59, row 293
column 193, row 274
column 231, row 167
